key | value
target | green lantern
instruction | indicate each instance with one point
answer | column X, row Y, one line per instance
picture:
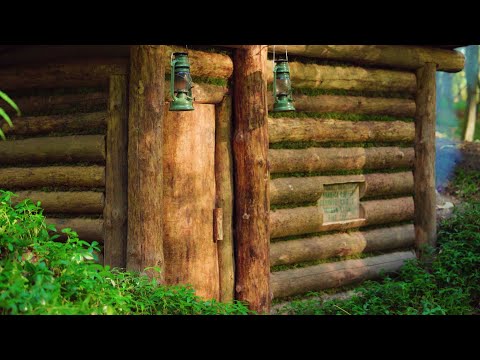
column 282, row 86
column 180, row 83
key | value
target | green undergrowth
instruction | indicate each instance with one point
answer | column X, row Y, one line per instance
column 445, row 282
column 338, row 172
column 316, row 144
column 336, row 116
column 41, row 276
column 467, row 183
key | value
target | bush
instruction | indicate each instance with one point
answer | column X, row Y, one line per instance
column 42, row 276
column 450, row 284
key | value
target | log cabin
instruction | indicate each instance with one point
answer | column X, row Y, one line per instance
column 232, row 198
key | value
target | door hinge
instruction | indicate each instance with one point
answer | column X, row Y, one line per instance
column 217, row 224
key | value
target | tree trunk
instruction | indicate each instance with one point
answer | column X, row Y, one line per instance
column 341, row 244
column 424, row 168
column 471, row 74
column 331, row 159
column 336, row 274
column 145, row 159
column 189, row 200
column 329, row 130
column 252, row 201
column 48, row 150
column 224, row 196
column 116, row 174
column 52, row 176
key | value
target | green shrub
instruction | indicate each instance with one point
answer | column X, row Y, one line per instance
column 42, row 276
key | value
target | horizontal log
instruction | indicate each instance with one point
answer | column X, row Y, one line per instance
column 332, row 159
column 65, row 202
column 71, row 149
column 203, row 93
column 394, row 184
column 330, row 130
column 87, row 229
column 44, row 125
column 341, row 244
column 293, row 190
column 77, row 73
column 31, row 105
column 351, row 104
column 395, row 56
column 336, row 274
column 96, row 72
column 202, row 63
column 348, row 78
column 309, row 219
column 52, row 176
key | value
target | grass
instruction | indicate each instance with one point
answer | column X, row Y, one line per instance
column 41, row 276
column 445, row 282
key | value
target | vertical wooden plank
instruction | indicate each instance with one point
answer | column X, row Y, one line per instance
column 189, row 200
column 424, row 165
column 224, row 196
column 252, row 202
column 145, row 158
column 115, row 210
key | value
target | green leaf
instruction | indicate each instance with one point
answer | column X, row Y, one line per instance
column 6, row 117
column 10, row 102
column 2, row 135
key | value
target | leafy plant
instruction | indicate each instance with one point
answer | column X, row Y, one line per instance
column 41, row 276
column 4, row 114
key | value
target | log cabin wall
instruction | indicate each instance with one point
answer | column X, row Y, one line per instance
column 69, row 151
column 342, row 181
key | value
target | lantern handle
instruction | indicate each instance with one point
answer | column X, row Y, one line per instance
column 172, row 76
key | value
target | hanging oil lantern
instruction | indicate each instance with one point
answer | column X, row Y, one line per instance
column 180, row 83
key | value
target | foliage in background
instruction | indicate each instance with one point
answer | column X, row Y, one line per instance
column 452, row 96
column 3, row 113
column 42, row 276
column 450, row 284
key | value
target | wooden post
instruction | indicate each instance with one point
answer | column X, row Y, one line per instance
column 145, row 165
column 252, row 202
column 424, row 164
column 115, row 210
column 224, row 196
column 191, row 255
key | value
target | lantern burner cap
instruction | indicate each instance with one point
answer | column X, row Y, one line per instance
column 281, row 60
